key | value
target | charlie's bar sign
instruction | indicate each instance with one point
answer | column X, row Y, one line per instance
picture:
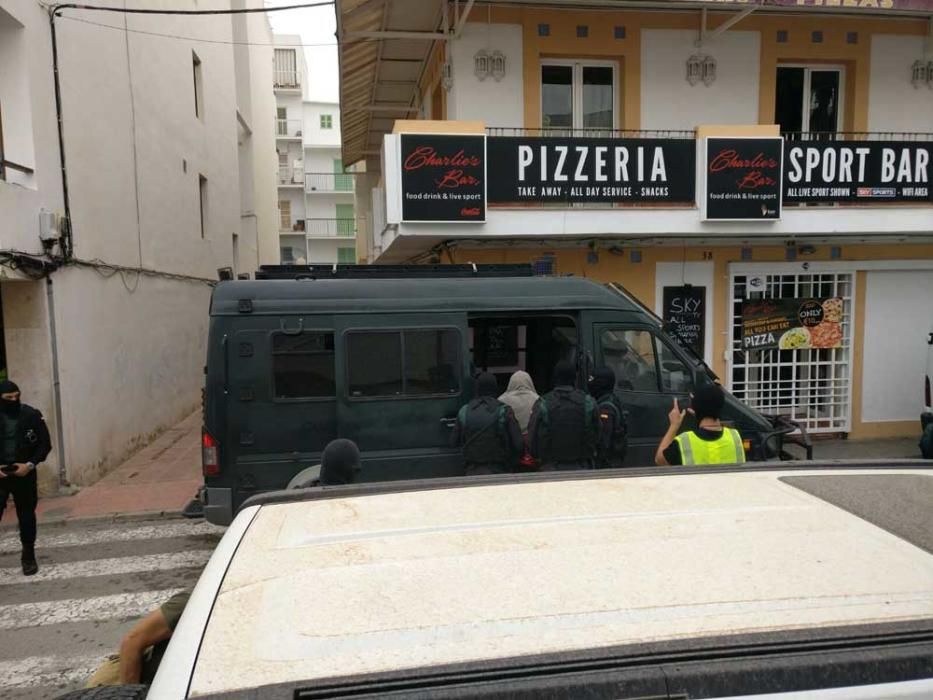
column 858, row 171
column 529, row 169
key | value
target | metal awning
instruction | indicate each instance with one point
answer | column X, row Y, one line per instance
column 384, row 47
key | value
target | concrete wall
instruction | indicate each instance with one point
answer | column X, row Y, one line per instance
column 668, row 101
column 893, row 103
column 131, row 363
column 497, row 103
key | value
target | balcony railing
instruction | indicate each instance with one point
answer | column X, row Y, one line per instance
column 558, row 132
column 288, row 128
column 329, row 182
column 286, row 79
column 291, row 176
column 330, row 228
column 857, row 135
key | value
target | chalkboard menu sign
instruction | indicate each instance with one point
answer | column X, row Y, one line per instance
column 743, row 179
column 684, row 314
column 501, row 346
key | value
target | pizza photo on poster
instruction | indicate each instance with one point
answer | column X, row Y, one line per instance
column 744, row 178
column 792, row 324
column 443, row 177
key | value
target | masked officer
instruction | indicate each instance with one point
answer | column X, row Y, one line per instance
column 487, row 431
column 710, row 443
column 564, row 428
column 613, row 429
column 25, row 443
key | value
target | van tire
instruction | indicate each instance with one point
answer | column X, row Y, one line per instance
column 108, row 692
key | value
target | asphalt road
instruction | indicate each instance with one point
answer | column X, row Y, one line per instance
column 94, row 582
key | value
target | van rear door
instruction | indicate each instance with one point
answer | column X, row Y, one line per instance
column 402, row 380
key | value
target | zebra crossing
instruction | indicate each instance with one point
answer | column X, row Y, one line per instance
column 94, row 581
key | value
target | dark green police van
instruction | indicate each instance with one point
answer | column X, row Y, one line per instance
column 384, row 356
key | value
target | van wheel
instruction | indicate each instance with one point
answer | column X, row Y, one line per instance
column 108, row 692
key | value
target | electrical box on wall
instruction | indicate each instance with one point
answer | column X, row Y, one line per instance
column 49, row 226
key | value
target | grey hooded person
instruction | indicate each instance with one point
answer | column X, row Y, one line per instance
column 521, row 397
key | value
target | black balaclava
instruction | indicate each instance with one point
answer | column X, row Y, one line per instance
column 603, row 382
column 565, row 374
column 340, row 462
column 7, row 406
column 486, row 385
column 708, row 401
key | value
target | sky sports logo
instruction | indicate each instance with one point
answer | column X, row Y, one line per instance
column 877, row 192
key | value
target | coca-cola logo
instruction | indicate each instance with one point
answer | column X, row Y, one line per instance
column 470, row 211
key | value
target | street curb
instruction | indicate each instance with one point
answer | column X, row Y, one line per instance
column 112, row 518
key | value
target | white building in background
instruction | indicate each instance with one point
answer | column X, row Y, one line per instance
column 167, row 133
column 317, row 213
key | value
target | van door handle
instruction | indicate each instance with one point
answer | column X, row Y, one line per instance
column 449, row 422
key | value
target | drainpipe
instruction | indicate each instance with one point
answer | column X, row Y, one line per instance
column 67, row 246
column 56, row 385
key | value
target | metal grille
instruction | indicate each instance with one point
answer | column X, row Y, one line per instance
column 812, row 387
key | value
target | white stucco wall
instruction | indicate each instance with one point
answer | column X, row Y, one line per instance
column 314, row 135
column 667, row 99
column 496, row 103
column 893, row 103
column 896, row 328
column 131, row 364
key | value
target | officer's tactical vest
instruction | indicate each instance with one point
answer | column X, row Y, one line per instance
column 569, row 418
column 483, row 426
column 727, row 449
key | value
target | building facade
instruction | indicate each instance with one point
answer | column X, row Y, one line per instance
column 113, row 230
column 727, row 162
column 316, row 195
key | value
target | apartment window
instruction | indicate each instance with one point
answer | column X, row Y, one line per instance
column 285, row 215
column 346, row 255
column 286, row 68
column 578, row 95
column 198, row 85
column 303, row 365
column 327, row 121
column 808, row 99
column 283, row 159
column 202, row 201
column 281, row 121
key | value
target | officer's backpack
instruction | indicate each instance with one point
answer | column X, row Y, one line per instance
column 571, row 433
column 483, row 444
column 619, row 444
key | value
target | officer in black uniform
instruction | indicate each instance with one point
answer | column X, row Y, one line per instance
column 25, row 443
column 564, row 427
column 487, row 431
column 613, row 429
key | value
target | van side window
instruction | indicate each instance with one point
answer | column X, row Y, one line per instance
column 374, row 359
column 429, row 365
column 630, row 353
column 432, row 362
column 303, row 365
column 676, row 378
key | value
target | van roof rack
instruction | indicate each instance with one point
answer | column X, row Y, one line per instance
column 360, row 272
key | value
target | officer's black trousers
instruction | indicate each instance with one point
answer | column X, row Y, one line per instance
column 25, row 492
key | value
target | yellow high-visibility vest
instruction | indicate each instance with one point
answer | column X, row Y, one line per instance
column 727, row 449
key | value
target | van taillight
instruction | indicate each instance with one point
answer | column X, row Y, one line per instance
column 210, row 464
column 929, row 393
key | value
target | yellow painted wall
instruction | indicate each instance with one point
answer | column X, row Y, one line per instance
column 639, row 279
column 601, row 44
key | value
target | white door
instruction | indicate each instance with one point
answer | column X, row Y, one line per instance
column 813, row 387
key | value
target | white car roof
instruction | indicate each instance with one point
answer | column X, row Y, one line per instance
column 353, row 585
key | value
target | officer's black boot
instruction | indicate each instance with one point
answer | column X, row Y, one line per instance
column 30, row 565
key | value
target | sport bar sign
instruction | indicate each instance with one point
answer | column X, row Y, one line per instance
column 858, row 171
column 585, row 170
column 743, row 179
column 443, row 177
